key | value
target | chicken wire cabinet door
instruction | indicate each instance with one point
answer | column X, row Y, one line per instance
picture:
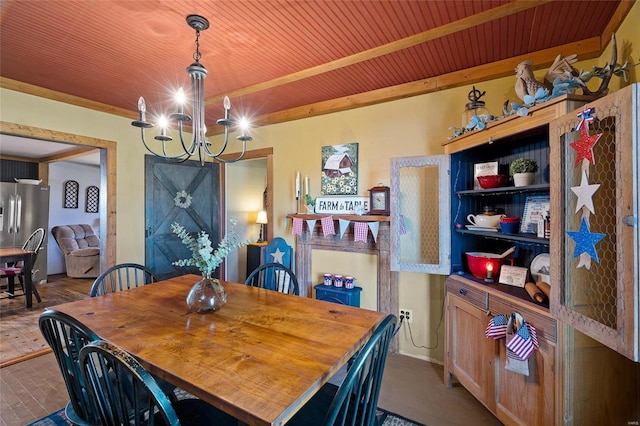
column 420, row 214
column 595, row 257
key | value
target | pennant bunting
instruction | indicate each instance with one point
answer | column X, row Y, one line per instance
column 297, row 226
column 584, row 262
column 360, row 230
column 374, row 226
column 344, row 225
column 327, row 226
column 401, row 225
column 311, row 223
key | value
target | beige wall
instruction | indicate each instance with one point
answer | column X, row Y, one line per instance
column 407, row 127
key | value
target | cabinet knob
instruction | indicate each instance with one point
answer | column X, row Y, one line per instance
column 462, row 291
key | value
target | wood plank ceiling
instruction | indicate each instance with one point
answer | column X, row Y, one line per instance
column 281, row 60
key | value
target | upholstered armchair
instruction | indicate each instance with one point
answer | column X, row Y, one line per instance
column 81, row 249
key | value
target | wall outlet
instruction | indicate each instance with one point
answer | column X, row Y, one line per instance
column 407, row 313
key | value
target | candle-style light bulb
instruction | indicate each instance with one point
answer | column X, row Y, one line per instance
column 162, row 122
column 142, row 107
column 244, row 125
column 489, row 272
column 180, row 99
column 227, row 107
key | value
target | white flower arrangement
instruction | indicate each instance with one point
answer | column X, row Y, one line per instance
column 202, row 254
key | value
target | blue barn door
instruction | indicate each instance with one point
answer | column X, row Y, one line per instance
column 186, row 193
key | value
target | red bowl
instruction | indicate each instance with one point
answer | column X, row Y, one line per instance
column 493, row 181
column 479, row 264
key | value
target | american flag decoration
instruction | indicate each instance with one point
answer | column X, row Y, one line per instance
column 327, row 226
column 360, row 230
column 522, row 342
column 297, row 226
column 497, row 327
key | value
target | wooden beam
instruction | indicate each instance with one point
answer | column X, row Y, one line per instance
column 614, row 23
column 407, row 42
column 18, row 158
column 68, row 155
column 30, row 89
column 585, row 49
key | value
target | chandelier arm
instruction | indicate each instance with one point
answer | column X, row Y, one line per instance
column 192, row 149
column 224, row 145
column 164, row 154
column 240, row 157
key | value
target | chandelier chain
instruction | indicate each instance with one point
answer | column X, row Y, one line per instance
column 197, row 55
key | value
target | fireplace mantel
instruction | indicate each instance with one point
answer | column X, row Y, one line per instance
column 387, row 284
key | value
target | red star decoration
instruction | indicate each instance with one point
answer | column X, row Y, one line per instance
column 584, row 146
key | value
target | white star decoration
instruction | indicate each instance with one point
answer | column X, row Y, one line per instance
column 585, row 192
column 277, row 256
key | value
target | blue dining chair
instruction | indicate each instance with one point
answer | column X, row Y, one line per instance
column 66, row 336
column 355, row 401
column 125, row 393
column 274, row 276
column 278, row 251
column 122, row 277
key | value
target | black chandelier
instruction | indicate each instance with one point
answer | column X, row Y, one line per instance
column 199, row 144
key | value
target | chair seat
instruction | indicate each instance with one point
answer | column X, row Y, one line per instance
column 195, row 412
column 11, row 270
column 314, row 411
column 85, row 252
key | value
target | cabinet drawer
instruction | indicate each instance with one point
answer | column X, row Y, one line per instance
column 545, row 325
column 472, row 295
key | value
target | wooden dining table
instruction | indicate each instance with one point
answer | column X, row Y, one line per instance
column 259, row 358
column 17, row 255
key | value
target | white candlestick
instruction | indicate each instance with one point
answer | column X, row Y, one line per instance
column 306, row 185
column 297, row 184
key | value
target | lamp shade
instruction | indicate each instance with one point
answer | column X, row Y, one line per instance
column 262, row 217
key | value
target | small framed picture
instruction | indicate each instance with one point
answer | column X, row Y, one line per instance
column 536, row 209
column 513, row 275
column 484, row 169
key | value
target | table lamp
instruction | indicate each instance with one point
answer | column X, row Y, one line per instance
column 262, row 221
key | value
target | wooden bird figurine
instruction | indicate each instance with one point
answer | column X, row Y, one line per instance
column 526, row 83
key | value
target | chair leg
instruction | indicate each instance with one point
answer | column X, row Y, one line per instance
column 33, row 288
column 11, row 286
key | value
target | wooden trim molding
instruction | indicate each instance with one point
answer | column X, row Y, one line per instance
column 108, row 169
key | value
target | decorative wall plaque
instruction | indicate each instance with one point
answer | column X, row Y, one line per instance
column 71, row 189
column 93, row 199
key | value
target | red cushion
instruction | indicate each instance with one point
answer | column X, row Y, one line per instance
column 10, row 271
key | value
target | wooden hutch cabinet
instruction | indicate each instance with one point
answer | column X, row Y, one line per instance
column 574, row 377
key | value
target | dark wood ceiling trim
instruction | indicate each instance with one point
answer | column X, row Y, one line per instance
column 585, row 49
column 432, row 34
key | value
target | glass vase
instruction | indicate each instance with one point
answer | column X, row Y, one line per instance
column 207, row 295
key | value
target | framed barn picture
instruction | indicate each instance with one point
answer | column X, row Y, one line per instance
column 340, row 169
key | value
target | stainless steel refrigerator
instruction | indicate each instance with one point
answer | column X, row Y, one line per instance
column 23, row 209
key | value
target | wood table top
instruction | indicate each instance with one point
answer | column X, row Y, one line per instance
column 259, row 358
column 16, row 251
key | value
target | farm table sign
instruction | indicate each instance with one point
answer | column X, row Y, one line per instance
column 343, row 205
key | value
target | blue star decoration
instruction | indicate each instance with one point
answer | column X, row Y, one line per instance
column 585, row 241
